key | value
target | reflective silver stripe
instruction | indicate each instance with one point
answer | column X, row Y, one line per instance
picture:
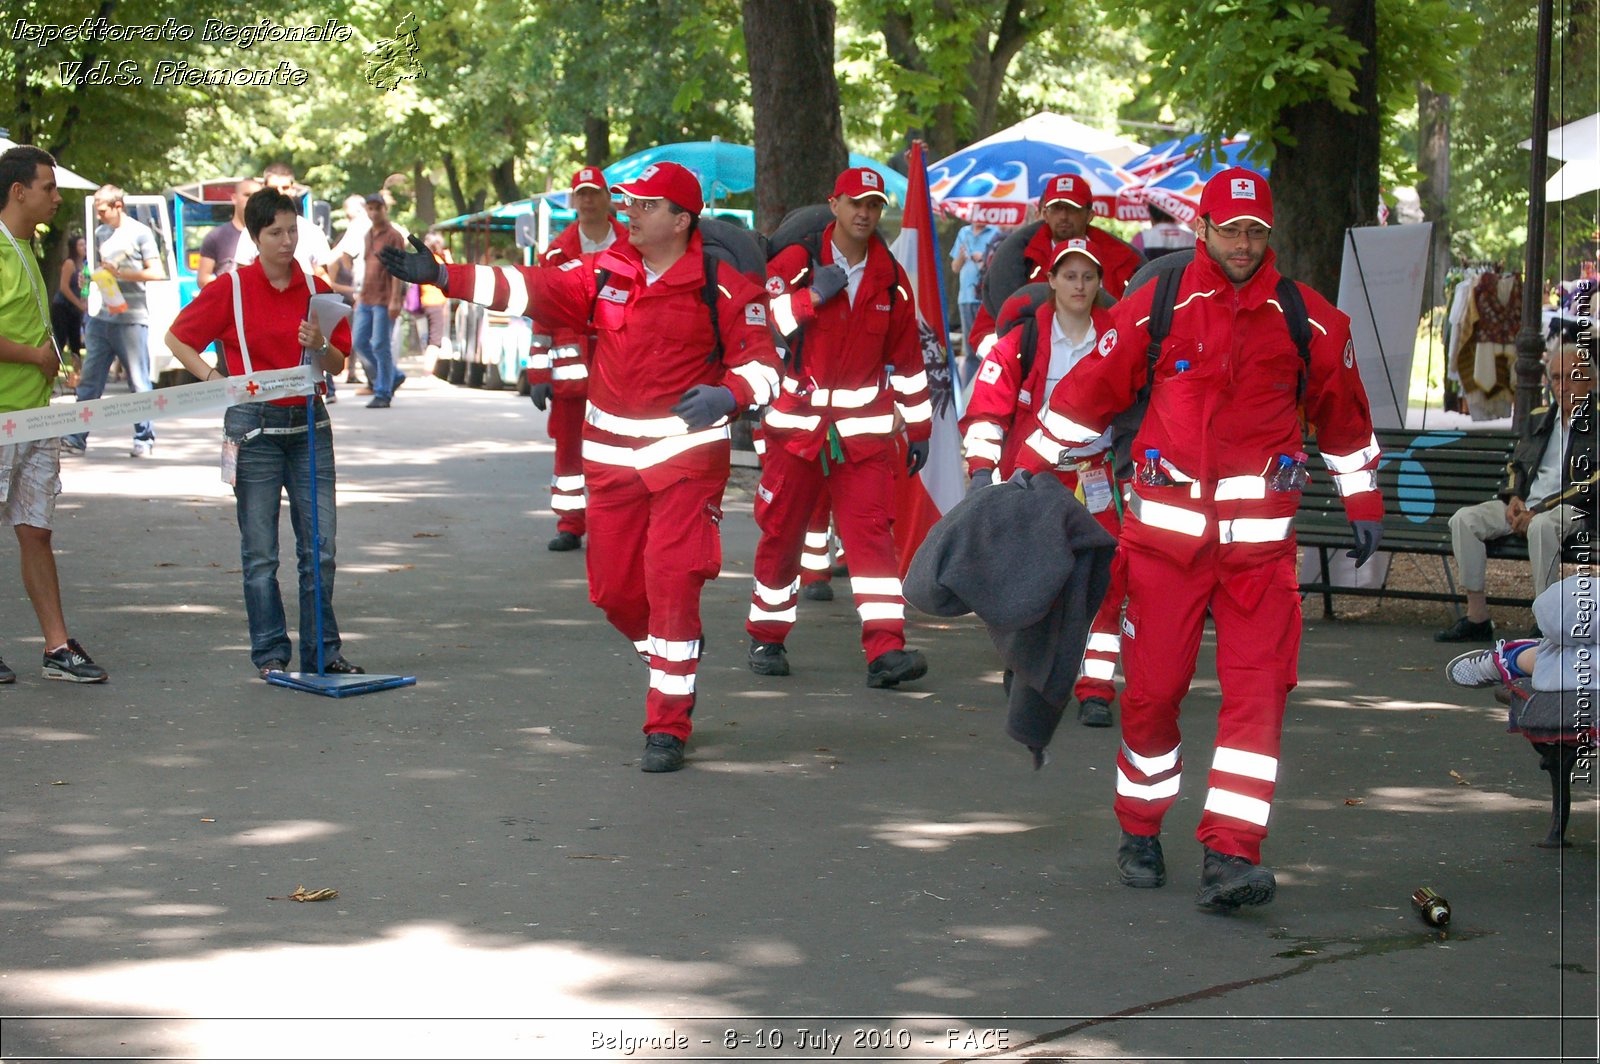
column 1254, row 529
column 910, row 385
column 1244, row 763
column 815, row 562
column 1171, row 518
column 539, row 360
column 1066, row 430
column 670, row 683
column 983, row 449
column 986, row 345
column 776, row 596
column 518, row 295
column 645, row 428
column 566, row 503
column 575, row 372
column 1238, row 806
column 566, row 351
column 783, row 313
column 651, row 454
column 1349, row 463
column 1099, row 668
column 568, row 483
column 881, row 425
column 1353, row 483
column 763, row 381
column 1241, row 488
column 483, row 284
column 881, row 611
column 675, row 649
column 1105, row 643
column 916, row 415
column 875, row 585
column 642, row 648
column 846, row 398
column 1148, row 792
column 817, row 539
column 1155, row 764
column 778, row 419
column 761, row 616
column 1046, row 448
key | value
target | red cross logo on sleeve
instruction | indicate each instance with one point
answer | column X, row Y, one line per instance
column 252, row 388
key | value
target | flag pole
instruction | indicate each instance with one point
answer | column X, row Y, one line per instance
column 917, row 148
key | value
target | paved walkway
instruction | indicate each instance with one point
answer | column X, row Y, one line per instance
column 864, row 873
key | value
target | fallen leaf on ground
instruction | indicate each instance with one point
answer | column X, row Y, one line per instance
column 1461, row 781
column 397, row 568
column 426, row 535
column 59, row 783
column 302, row 894
column 1416, row 668
column 1354, row 801
column 594, row 857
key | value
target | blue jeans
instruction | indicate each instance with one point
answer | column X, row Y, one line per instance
column 275, row 458
column 128, row 344
column 370, row 333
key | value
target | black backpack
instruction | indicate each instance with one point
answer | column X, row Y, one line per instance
column 804, row 226
column 1038, row 293
column 720, row 242
column 1168, row 272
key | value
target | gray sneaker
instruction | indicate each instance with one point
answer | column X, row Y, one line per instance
column 6, row 675
column 1476, row 668
column 72, row 664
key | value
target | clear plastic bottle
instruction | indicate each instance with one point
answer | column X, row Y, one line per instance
column 110, row 292
column 1151, row 474
column 1290, row 473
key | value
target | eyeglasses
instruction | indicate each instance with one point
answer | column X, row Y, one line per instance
column 641, row 206
column 1253, row 233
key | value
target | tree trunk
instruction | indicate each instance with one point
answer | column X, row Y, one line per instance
column 1327, row 181
column 504, row 179
column 799, row 134
column 596, row 140
column 426, row 207
column 453, row 178
column 1433, row 160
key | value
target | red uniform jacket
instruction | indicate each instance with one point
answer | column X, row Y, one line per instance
column 654, row 342
column 1221, row 424
column 1004, row 410
column 1118, row 263
column 565, row 366
column 860, row 364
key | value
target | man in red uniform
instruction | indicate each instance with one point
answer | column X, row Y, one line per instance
column 560, row 378
column 854, row 376
column 662, row 387
column 1067, row 205
column 1209, row 523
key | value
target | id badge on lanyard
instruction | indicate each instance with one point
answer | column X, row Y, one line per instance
column 1095, row 485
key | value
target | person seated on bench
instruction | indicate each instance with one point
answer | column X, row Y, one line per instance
column 1537, row 498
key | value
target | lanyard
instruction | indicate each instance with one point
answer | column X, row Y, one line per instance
column 33, row 283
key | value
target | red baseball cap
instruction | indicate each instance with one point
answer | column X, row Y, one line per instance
column 589, row 177
column 1237, row 193
column 1066, row 188
column 860, row 182
column 667, row 181
column 1076, row 246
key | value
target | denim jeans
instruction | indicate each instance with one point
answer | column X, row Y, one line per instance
column 370, row 333
column 274, row 456
column 129, row 344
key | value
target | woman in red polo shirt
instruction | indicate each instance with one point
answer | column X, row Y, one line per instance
column 271, row 298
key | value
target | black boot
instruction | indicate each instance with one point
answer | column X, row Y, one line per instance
column 1227, row 882
column 1139, row 861
column 768, row 659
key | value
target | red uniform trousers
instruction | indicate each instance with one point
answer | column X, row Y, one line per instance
column 650, row 552
column 565, row 426
column 1255, row 607
column 816, row 563
column 1096, row 679
column 862, row 493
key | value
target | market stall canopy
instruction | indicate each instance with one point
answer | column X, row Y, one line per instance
column 996, row 181
column 725, row 169
column 64, row 178
column 1574, row 142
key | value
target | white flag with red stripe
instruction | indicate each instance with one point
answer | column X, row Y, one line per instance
column 921, row 500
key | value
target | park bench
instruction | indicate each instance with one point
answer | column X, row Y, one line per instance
column 1425, row 477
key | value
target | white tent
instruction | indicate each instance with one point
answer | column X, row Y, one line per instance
column 1069, row 133
column 64, row 178
column 1574, row 142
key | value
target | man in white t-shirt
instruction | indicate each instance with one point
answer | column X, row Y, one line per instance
column 311, row 249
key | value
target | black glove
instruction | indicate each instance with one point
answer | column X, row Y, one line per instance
column 417, row 267
column 827, row 282
column 704, row 403
column 916, row 456
column 1368, row 535
column 540, row 394
column 981, row 478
